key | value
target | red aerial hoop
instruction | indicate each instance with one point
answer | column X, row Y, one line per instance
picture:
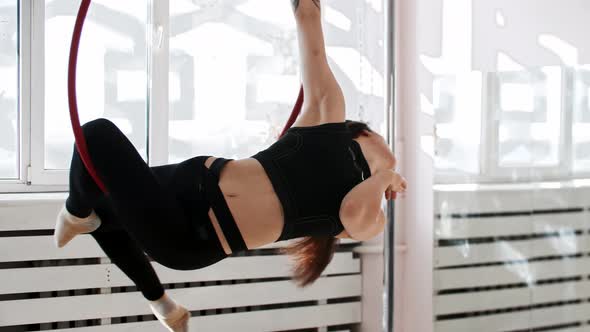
column 78, row 134
column 295, row 112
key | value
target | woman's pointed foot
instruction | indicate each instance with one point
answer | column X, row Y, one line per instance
column 172, row 315
column 67, row 226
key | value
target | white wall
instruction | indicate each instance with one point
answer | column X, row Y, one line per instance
column 526, row 21
column 469, row 34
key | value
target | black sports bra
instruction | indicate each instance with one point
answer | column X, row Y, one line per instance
column 311, row 170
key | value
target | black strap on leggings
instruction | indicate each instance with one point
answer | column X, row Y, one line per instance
column 220, row 208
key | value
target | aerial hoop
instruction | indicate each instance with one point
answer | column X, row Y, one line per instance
column 73, row 104
column 295, row 112
column 78, row 134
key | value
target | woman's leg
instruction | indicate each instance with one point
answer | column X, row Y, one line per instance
column 155, row 208
column 147, row 210
column 125, row 253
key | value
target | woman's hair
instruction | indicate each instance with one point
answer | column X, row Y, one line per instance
column 312, row 254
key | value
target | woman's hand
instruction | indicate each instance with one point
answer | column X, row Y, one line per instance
column 395, row 183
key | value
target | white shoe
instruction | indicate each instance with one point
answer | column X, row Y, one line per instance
column 175, row 321
column 67, row 226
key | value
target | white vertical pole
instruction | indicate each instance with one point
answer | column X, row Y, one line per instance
column 389, row 242
column 414, row 287
column 158, row 64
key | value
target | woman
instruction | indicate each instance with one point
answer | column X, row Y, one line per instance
column 323, row 180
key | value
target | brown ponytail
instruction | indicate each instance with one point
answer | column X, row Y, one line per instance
column 311, row 255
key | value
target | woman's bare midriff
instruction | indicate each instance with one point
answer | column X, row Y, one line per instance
column 252, row 201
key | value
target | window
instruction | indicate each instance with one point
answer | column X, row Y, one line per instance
column 9, row 113
column 233, row 78
column 527, row 109
column 457, row 110
column 533, row 125
column 112, row 73
column 179, row 78
column 234, row 71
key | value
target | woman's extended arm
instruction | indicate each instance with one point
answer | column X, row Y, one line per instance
column 324, row 100
column 361, row 211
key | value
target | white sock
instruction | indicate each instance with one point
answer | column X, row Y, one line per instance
column 172, row 315
column 68, row 226
column 164, row 305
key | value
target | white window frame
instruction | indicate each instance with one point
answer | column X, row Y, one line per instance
column 31, row 103
column 576, row 77
column 32, row 175
column 37, row 172
column 158, row 67
column 27, row 11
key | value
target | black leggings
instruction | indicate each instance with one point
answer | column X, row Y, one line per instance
column 160, row 210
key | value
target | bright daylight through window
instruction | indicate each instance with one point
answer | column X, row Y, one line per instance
column 9, row 113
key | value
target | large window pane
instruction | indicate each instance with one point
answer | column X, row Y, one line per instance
column 456, row 105
column 530, row 113
column 8, row 89
column 234, row 71
column 233, row 76
column 111, row 72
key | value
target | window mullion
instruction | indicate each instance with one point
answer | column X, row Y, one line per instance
column 489, row 130
column 25, row 81
column 158, row 82
column 37, row 93
column 567, row 122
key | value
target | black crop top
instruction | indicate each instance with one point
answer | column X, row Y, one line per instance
column 311, row 170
